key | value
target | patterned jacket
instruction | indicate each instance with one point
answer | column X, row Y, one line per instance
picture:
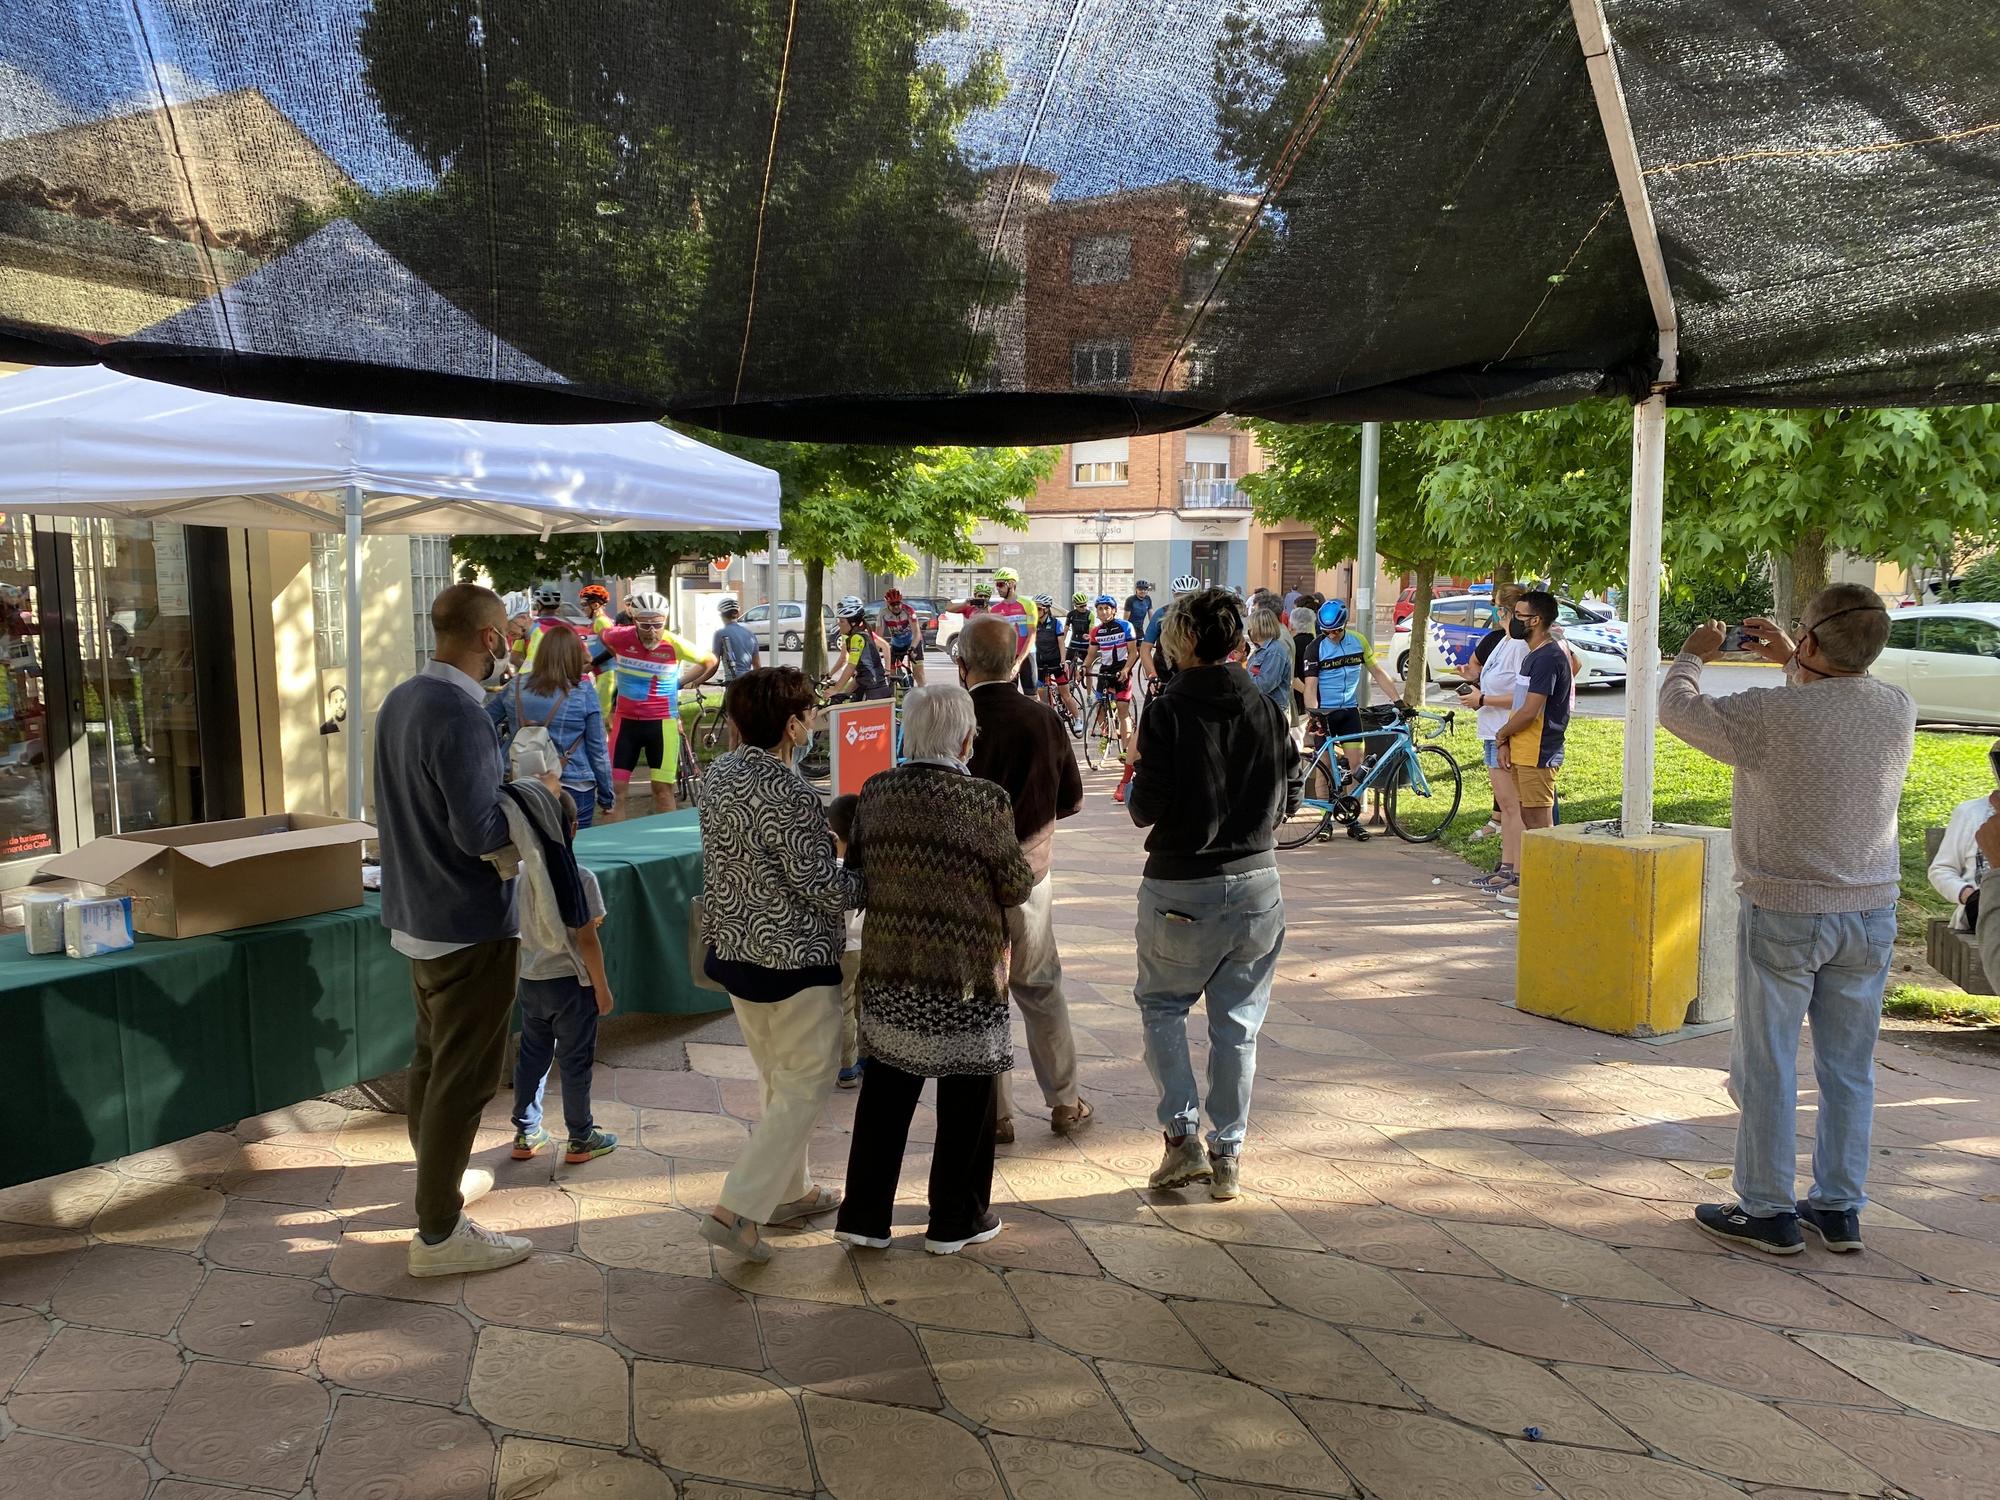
column 772, row 891
column 938, row 850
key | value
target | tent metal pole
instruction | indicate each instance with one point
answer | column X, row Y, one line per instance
column 1364, row 540
column 355, row 714
column 771, row 541
column 1649, row 425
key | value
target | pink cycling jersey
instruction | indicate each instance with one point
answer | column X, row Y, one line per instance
column 648, row 677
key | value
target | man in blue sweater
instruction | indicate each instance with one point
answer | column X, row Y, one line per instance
column 438, row 775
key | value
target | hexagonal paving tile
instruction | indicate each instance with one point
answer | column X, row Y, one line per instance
column 534, row 1470
column 127, row 1288
column 22, row 1335
column 1526, row 1320
column 1491, row 1388
column 398, row 1450
column 167, row 1216
column 1611, row 1217
column 515, row 1371
column 940, row 1291
column 1073, row 1189
column 366, row 1136
column 1932, row 1460
column 1287, row 1351
column 70, row 1201
column 1337, row 1290
column 110, row 1387
column 1034, row 1242
column 1563, row 1263
column 242, row 1425
column 1950, row 1258
column 558, row 1293
column 398, row 1349
column 722, row 1423
column 1432, row 1194
column 704, row 1135
column 849, row 1352
column 1966, row 1321
column 1223, row 1427
column 1720, row 1430
column 804, row 1267
column 1172, row 1264
column 669, row 1315
column 1026, row 1388
column 1385, row 1237
column 1763, row 1294
column 1038, row 1470
column 1582, row 1474
column 377, row 1261
column 51, row 1469
column 1937, row 1382
column 258, row 1320
column 1728, row 1351
column 1248, row 1220
column 868, row 1452
column 34, row 1260
column 1472, row 1154
column 298, row 1175
column 1401, row 1455
column 629, row 1173
column 643, row 1236
column 1104, row 1319
column 544, row 1216
column 272, row 1237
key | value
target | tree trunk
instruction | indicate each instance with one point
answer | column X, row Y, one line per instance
column 1798, row 574
column 1503, row 574
column 813, row 628
column 1419, row 668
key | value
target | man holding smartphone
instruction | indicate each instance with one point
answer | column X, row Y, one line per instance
column 1819, row 766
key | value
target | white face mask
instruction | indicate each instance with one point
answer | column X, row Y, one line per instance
column 499, row 667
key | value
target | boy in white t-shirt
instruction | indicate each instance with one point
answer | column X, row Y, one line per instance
column 1489, row 687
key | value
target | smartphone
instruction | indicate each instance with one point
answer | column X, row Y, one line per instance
column 1736, row 638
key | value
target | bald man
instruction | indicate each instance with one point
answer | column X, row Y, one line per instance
column 438, row 774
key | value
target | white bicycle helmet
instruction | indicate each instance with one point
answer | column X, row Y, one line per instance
column 1187, row 583
column 515, row 603
column 547, row 595
column 850, row 608
column 647, row 603
column 727, row 605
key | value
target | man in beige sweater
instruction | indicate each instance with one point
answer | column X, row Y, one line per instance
column 1819, row 772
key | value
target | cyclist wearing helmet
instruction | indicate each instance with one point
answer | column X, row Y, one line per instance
column 734, row 646
column 649, row 667
column 861, row 674
column 1153, row 658
column 1114, row 652
column 1076, row 628
column 548, row 601
column 905, row 634
column 1332, row 680
column 1048, row 638
column 1023, row 616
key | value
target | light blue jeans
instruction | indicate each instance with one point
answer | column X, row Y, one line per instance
column 1791, row 967
column 1217, row 938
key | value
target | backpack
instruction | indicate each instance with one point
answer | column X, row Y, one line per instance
column 533, row 751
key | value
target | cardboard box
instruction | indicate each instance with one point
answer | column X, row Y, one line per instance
column 215, row 876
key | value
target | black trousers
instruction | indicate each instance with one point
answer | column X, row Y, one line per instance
column 463, row 1002
column 961, row 1160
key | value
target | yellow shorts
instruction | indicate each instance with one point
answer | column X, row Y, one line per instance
column 1536, row 784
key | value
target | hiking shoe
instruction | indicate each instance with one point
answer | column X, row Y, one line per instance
column 469, row 1248
column 1509, row 893
column 1186, row 1161
column 531, row 1143
column 1068, row 1119
column 1839, row 1229
column 1777, row 1234
column 1359, row 834
column 597, row 1143
column 988, row 1227
column 1227, row 1181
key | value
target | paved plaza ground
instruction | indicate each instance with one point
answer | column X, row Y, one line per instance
column 1463, row 1266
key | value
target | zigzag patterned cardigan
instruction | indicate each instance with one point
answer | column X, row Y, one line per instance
column 942, row 863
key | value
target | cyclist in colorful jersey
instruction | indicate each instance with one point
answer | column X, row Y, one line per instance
column 548, row 602
column 905, row 634
column 1113, row 653
column 1332, row 684
column 861, row 674
column 1023, row 615
column 649, row 667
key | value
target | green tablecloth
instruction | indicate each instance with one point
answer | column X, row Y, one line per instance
column 117, row 1054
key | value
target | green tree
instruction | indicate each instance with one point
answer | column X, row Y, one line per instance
column 613, row 198
column 519, row 562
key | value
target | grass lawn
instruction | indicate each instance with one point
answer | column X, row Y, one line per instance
column 1688, row 787
column 1919, row 1003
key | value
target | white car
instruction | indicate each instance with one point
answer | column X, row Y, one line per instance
column 1460, row 621
column 791, row 624
column 1947, row 657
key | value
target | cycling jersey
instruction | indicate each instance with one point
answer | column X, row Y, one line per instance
column 1338, row 664
column 900, row 626
column 1079, row 621
column 1048, row 642
column 538, row 627
column 737, row 648
column 1114, row 641
column 1023, row 616
column 649, row 677
column 864, row 652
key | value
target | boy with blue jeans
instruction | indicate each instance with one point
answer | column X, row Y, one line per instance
column 562, row 993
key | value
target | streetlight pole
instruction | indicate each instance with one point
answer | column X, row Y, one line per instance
column 1102, row 522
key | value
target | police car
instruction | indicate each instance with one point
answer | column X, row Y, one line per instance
column 1459, row 622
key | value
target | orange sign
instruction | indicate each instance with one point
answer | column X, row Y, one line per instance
column 720, row 564
column 863, row 740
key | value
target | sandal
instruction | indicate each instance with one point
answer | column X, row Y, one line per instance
column 1066, row 1119
column 819, row 1201
column 739, row 1234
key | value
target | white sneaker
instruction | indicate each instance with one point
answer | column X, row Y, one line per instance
column 861, row 1241
column 467, row 1249
column 473, row 1184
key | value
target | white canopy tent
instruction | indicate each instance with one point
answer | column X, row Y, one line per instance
column 91, row 442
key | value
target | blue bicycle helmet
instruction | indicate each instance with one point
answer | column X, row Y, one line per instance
column 1333, row 614
column 1105, row 599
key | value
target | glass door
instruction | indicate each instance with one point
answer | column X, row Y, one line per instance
column 28, row 800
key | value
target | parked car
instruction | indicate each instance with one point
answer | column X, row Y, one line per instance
column 1946, row 657
column 1459, row 622
column 791, row 624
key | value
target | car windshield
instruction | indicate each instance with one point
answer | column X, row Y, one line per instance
column 760, row 612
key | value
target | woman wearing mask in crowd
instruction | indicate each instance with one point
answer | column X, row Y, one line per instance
column 555, row 696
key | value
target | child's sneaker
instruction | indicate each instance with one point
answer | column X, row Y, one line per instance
column 529, row 1144
column 850, row 1078
column 597, row 1143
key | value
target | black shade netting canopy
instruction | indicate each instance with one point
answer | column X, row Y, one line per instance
column 1000, row 220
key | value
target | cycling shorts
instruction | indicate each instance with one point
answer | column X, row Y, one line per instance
column 655, row 741
column 1336, row 722
column 1051, row 667
column 910, row 650
column 1120, row 691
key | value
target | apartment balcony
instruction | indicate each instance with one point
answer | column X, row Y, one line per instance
column 1210, row 495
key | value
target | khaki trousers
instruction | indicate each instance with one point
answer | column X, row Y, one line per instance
column 1034, row 979
column 464, row 1001
column 796, row 1046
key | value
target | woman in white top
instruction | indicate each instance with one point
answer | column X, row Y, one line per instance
column 1959, row 866
column 1492, row 693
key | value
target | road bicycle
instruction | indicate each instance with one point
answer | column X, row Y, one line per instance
column 1419, row 784
column 1059, row 692
column 703, row 732
column 1103, row 745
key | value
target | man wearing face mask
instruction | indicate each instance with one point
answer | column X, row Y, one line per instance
column 1819, row 771
column 437, row 809
column 1960, row 866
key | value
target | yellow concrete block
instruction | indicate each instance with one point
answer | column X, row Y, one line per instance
column 1610, row 930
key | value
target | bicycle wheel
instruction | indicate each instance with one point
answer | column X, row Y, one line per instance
column 1420, row 816
column 1315, row 814
column 1093, row 740
column 816, row 765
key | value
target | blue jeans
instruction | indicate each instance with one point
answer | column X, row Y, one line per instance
column 1790, row 967
column 559, row 1021
column 1217, row 938
column 585, row 798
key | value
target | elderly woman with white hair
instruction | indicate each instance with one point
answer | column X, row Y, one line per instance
column 938, row 851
